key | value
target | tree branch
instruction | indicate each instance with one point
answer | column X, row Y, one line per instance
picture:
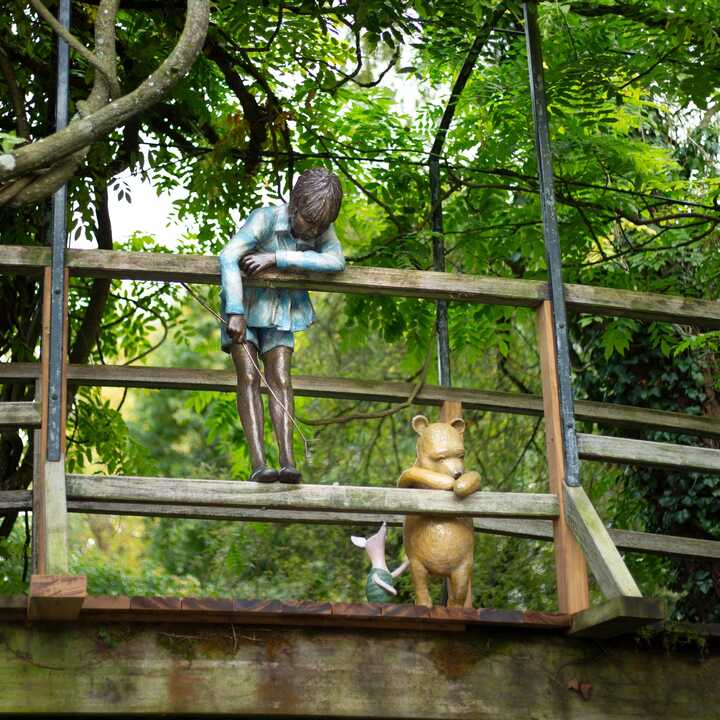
column 107, row 72
column 82, row 132
column 16, row 95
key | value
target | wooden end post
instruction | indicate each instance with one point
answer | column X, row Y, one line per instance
column 56, row 597
column 570, row 565
column 49, row 495
column 450, row 410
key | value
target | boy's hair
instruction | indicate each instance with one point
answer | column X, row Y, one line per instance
column 318, row 196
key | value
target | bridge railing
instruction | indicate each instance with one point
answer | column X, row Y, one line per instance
column 562, row 514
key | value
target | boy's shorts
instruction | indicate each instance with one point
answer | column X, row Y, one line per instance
column 264, row 339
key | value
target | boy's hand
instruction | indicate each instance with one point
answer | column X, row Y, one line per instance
column 257, row 262
column 236, row 328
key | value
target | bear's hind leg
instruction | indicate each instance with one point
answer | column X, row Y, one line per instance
column 420, row 583
column 460, row 585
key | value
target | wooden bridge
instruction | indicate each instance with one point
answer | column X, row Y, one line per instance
column 280, row 651
column 64, row 652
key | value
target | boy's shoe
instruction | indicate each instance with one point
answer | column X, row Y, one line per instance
column 289, row 474
column 264, row 474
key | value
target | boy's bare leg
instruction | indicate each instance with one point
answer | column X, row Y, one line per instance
column 250, row 409
column 277, row 371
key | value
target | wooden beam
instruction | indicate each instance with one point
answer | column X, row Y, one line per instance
column 450, row 410
column 15, row 501
column 644, row 452
column 642, row 305
column 242, row 670
column 20, row 414
column 56, row 597
column 570, row 567
column 56, row 522
column 373, row 390
column 39, row 525
column 339, row 498
column 604, row 560
column 669, row 545
column 624, row 540
column 617, row 616
column 170, row 267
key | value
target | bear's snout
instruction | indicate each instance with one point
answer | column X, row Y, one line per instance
column 457, row 474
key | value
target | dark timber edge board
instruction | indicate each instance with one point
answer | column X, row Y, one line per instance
column 372, row 390
column 296, row 612
column 237, row 670
column 625, row 540
column 170, row 267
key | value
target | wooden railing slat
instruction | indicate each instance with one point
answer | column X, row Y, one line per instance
column 20, row 414
column 625, row 540
column 351, row 389
column 171, row 267
column 643, row 452
column 338, row 498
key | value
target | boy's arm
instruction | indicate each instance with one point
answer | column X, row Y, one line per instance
column 327, row 258
column 244, row 240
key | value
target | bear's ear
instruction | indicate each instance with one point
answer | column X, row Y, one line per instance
column 419, row 423
column 458, row 424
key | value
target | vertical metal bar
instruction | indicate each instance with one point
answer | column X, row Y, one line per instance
column 56, row 388
column 552, row 242
column 438, row 247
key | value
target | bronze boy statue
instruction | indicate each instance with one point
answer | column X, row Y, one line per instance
column 297, row 236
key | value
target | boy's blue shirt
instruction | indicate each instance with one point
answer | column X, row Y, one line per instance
column 267, row 229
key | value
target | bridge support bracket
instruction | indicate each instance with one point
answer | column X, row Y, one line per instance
column 618, row 616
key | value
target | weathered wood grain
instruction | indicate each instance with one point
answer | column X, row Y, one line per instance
column 246, row 671
column 602, row 556
column 56, row 524
column 642, row 305
column 643, row 452
column 339, row 498
column 625, row 540
column 352, row 389
column 617, row 616
column 19, row 414
column 15, row 500
column 570, row 567
column 39, row 532
column 170, row 267
column 670, row 545
column 56, row 597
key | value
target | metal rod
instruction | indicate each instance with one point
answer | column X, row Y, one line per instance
column 552, row 243
column 438, row 247
column 59, row 238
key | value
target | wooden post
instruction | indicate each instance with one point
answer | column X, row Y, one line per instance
column 450, row 410
column 570, row 566
column 39, row 529
column 54, row 595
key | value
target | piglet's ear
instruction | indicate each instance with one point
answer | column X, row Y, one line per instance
column 360, row 542
column 419, row 423
column 458, row 424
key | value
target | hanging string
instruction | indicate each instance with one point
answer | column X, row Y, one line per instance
column 222, row 320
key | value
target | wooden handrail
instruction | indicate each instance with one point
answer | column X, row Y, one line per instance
column 164, row 378
column 531, row 529
column 169, row 267
column 336, row 498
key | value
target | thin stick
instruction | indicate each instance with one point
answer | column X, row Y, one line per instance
column 255, row 365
